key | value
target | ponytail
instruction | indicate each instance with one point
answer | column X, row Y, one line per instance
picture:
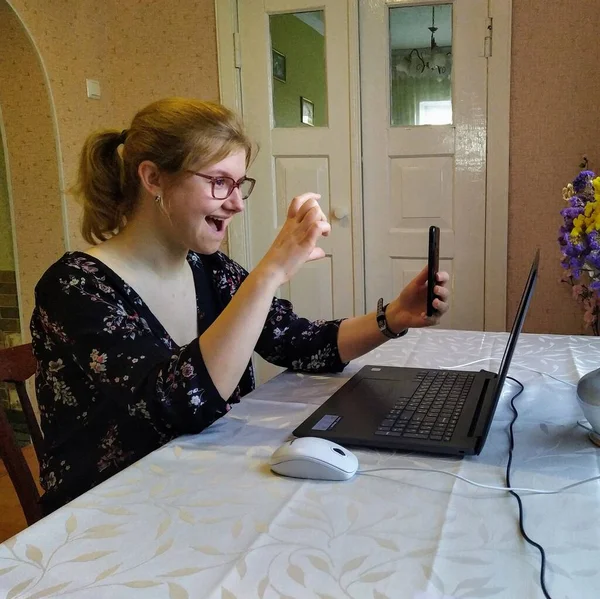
column 99, row 185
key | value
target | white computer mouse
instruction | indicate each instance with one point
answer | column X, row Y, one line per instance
column 311, row 457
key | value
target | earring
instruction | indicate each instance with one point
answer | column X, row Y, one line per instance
column 158, row 199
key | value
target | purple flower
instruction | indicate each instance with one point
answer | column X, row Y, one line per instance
column 573, row 250
column 583, row 179
column 577, row 202
column 594, row 241
column 571, row 212
column 593, row 259
column 581, row 255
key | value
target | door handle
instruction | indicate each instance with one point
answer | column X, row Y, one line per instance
column 339, row 212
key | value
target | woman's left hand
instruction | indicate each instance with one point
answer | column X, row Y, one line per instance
column 408, row 310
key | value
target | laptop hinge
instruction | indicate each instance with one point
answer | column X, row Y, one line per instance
column 485, row 395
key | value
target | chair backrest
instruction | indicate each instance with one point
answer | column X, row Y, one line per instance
column 17, row 364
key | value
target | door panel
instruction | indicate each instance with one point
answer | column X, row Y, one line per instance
column 418, row 175
column 295, row 88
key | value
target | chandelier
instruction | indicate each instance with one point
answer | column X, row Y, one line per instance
column 430, row 62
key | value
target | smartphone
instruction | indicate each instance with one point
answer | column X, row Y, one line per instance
column 433, row 266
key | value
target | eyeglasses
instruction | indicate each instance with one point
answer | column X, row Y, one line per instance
column 222, row 187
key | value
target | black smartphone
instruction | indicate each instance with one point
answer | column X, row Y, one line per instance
column 433, row 266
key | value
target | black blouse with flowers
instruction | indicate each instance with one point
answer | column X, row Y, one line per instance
column 112, row 386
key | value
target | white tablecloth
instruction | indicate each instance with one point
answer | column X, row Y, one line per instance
column 204, row 516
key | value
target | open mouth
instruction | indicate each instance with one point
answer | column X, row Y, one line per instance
column 216, row 224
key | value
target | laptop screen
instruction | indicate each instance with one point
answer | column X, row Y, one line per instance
column 518, row 322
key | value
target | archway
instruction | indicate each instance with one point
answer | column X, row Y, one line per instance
column 28, row 131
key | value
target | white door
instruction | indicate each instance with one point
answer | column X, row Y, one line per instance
column 295, row 93
column 424, row 81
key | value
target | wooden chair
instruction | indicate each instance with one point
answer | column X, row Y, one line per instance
column 17, row 364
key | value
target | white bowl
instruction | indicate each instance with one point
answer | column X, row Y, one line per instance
column 592, row 414
column 588, row 396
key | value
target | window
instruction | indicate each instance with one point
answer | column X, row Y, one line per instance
column 435, row 112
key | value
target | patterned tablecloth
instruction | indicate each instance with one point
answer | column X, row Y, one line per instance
column 204, row 516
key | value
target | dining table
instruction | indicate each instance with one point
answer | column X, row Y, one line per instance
column 204, row 516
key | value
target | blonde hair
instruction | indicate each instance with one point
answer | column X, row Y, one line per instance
column 173, row 133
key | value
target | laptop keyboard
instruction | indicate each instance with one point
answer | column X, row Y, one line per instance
column 433, row 410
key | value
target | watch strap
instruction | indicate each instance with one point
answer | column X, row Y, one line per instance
column 382, row 322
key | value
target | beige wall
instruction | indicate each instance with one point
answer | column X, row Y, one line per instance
column 29, row 136
column 7, row 259
column 555, row 119
column 139, row 51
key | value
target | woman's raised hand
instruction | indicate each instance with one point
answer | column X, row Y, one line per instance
column 297, row 240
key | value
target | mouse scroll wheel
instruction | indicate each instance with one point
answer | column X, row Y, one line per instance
column 338, row 450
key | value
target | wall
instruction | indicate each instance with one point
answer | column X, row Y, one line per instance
column 32, row 160
column 72, row 41
column 304, row 51
column 7, row 259
column 139, row 51
column 9, row 311
column 160, row 49
column 554, row 121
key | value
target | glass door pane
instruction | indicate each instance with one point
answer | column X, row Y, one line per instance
column 421, row 65
column 298, row 69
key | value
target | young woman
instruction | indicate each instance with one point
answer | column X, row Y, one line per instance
column 148, row 334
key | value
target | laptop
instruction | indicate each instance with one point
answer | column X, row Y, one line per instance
column 415, row 409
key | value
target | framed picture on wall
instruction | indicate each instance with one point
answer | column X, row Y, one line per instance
column 278, row 65
column 307, row 111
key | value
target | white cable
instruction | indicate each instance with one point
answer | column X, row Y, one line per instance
column 512, row 364
column 492, row 487
column 583, row 424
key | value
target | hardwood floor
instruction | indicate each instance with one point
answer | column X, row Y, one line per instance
column 12, row 519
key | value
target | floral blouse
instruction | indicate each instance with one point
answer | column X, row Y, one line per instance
column 112, row 386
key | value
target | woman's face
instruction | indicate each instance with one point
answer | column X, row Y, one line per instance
column 198, row 219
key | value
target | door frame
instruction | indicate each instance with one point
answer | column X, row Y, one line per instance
column 497, row 167
column 497, row 164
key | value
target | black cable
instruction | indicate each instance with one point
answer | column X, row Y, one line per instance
column 521, row 514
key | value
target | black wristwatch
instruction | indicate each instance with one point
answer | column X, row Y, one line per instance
column 382, row 322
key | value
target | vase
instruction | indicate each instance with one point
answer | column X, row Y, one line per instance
column 588, row 396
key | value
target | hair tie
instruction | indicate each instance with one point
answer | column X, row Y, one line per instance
column 123, row 136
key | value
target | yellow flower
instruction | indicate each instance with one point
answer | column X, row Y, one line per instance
column 578, row 226
column 596, row 183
